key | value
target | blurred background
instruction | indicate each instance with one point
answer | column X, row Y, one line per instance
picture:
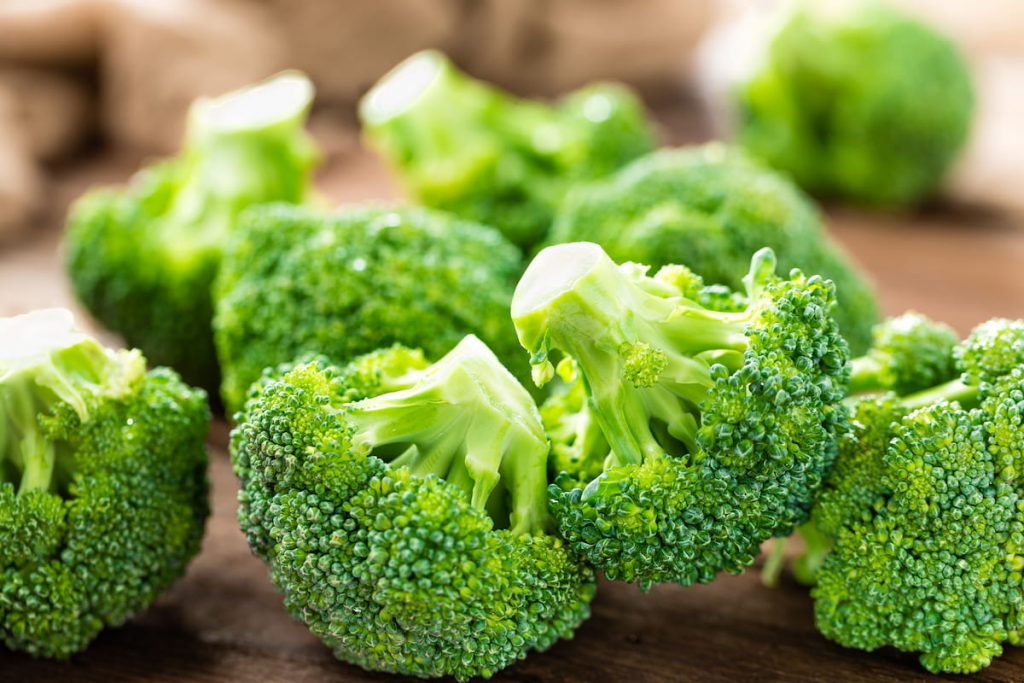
column 89, row 89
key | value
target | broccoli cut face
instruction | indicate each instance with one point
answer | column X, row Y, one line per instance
column 463, row 146
column 402, row 509
column 863, row 103
column 710, row 208
column 102, row 484
column 921, row 521
column 295, row 281
column 718, row 425
column 143, row 259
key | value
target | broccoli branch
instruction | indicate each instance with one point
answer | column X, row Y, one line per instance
column 467, row 420
column 648, row 354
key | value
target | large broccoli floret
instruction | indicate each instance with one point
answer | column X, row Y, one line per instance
column 921, row 524
column 718, row 425
column 861, row 102
column 142, row 259
column 710, row 208
column 297, row 281
column 102, row 483
column 402, row 509
column 464, row 146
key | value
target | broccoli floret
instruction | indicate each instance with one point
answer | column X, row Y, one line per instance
column 861, row 102
column 297, row 281
column 909, row 353
column 402, row 509
column 921, row 522
column 711, row 207
column 103, row 491
column 142, row 259
column 719, row 425
column 464, row 146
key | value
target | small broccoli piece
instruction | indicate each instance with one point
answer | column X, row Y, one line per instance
column 921, row 523
column 718, row 426
column 296, row 281
column 862, row 102
column 402, row 509
column 142, row 259
column 461, row 145
column 103, row 492
column 711, row 207
column 910, row 353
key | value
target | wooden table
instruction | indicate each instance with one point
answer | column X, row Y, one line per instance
column 225, row 622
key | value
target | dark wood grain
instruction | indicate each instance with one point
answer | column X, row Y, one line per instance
column 225, row 622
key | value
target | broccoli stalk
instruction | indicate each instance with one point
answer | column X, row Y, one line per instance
column 624, row 339
column 466, row 420
column 461, row 145
column 44, row 363
column 143, row 259
column 698, row 408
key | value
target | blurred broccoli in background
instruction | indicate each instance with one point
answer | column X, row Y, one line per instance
column 464, row 146
column 298, row 281
column 142, row 259
column 103, row 492
column 709, row 208
column 858, row 101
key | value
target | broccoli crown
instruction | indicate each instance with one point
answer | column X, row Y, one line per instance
column 909, row 353
column 461, row 145
column 295, row 281
column 102, row 483
column 717, row 426
column 922, row 519
column 711, row 207
column 864, row 103
column 142, row 259
column 402, row 509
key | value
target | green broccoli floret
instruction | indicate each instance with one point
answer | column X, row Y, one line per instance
column 296, row 281
column 861, row 102
column 921, row 524
column 909, row 353
column 142, row 259
column 464, row 146
column 718, row 426
column 103, row 492
column 402, row 509
column 711, row 207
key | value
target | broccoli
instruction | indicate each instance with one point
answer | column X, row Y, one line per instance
column 718, row 426
column 918, row 532
column 297, row 281
column 909, row 353
column 863, row 103
column 461, row 145
column 710, row 208
column 142, row 259
column 402, row 510
column 103, row 491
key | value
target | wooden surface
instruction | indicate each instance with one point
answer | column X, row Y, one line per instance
column 225, row 622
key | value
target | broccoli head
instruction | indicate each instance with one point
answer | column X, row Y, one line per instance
column 921, row 523
column 296, row 281
column 909, row 353
column 718, row 425
column 402, row 508
column 102, row 483
column 142, row 259
column 862, row 102
column 464, row 146
column 710, row 208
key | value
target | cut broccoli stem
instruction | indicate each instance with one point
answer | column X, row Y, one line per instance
column 965, row 394
column 774, row 562
column 818, row 546
column 467, row 420
column 648, row 357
